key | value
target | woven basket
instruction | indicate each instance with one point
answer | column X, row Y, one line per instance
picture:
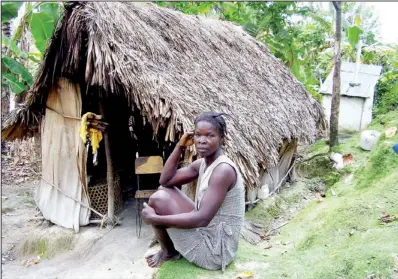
column 99, row 198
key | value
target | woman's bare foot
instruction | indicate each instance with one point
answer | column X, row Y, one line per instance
column 160, row 257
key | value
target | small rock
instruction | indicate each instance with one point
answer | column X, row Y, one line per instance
column 369, row 138
column 337, row 158
column 371, row 276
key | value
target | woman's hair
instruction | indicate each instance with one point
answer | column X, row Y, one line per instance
column 215, row 119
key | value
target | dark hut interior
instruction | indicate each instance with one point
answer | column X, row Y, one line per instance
column 130, row 136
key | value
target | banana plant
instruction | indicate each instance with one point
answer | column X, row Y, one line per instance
column 38, row 18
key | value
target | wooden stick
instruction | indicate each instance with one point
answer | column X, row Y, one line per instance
column 277, row 228
column 281, row 182
column 109, row 172
column 95, row 221
column 314, row 156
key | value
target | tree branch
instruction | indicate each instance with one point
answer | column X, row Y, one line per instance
column 314, row 156
column 337, row 5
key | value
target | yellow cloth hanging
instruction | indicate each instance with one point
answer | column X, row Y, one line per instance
column 95, row 135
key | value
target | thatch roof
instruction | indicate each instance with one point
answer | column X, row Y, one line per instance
column 23, row 121
column 174, row 66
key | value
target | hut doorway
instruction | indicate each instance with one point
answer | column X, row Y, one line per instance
column 130, row 136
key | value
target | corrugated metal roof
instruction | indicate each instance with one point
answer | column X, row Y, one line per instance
column 367, row 79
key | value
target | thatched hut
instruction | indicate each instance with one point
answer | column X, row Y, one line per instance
column 159, row 68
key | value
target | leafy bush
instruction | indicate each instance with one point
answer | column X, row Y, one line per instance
column 386, row 95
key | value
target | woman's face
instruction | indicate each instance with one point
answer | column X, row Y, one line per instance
column 207, row 138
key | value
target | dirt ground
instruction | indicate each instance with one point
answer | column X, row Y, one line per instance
column 94, row 252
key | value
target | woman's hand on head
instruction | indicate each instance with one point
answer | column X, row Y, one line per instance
column 187, row 139
column 147, row 214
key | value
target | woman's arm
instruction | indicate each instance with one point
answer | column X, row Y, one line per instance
column 220, row 181
column 172, row 176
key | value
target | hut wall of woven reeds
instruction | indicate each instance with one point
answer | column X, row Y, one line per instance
column 161, row 68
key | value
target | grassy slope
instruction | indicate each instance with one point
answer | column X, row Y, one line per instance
column 340, row 237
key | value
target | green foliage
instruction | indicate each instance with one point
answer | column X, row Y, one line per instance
column 11, row 45
column 40, row 19
column 193, row 8
column 17, row 68
column 353, row 33
column 52, row 9
column 12, row 80
column 386, row 95
column 42, row 27
column 9, row 10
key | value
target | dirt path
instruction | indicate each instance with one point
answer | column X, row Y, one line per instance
column 17, row 208
column 105, row 253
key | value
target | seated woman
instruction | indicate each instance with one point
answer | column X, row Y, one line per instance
column 205, row 232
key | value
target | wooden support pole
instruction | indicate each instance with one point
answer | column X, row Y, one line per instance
column 109, row 173
column 335, row 108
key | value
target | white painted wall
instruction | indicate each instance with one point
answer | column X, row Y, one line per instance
column 367, row 112
column 355, row 112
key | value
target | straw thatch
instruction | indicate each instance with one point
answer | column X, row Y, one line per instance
column 22, row 122
column 173, row 66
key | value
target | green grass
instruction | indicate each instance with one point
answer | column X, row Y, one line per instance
column 270, row 209
column 381, row 162
column 247, row 256
column 341, row 237
column 45, row 244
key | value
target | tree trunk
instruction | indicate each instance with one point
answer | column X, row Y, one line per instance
column 109, row 173
column 334, row 113
column 5, row 92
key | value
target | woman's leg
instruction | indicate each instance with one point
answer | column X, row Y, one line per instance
column 167, row 201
